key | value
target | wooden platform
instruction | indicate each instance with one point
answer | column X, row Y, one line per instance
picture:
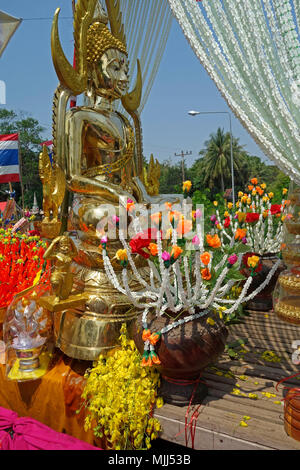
column 230, row 383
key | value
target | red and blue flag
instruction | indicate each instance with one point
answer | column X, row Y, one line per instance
column 9, row 158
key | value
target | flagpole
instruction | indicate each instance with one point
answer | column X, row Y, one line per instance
column 20, row 171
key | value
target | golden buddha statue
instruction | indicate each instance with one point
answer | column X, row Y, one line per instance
column 101, row 155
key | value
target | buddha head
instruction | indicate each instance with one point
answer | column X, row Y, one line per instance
column 107, row 62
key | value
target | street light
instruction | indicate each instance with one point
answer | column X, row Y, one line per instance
column 195, row 113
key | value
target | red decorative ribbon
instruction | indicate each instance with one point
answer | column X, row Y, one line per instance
column 294, row 389
column 191, row 425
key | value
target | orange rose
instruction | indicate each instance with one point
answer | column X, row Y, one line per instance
column 205, row 273
column 213, row 241
column 174, row 215
column 205, row 258
column 156, row 218
column 176, row 251
column 184, row 226
column 240, row 233
column 153, row 249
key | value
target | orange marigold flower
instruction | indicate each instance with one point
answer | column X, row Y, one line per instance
column 213, row 241
column 205, row 258
column 254, row 181
column 240, row 233
column 205, row 273
column 153, row 249
column 176, row 251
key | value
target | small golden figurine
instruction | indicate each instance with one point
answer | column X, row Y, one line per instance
column 152, row 176
column 62, row 250
column 54, row 186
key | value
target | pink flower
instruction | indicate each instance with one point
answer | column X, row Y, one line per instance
column 232, row 259
column 216, row 222
column 115, row 219
column 213, row 218
column 129, row 201
column 166, row 256
column 197, row 214
column 196, row 240
column 104, row 239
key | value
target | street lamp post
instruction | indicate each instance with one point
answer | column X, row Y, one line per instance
column 195, row 113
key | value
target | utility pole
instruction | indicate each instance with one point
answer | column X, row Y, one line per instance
column 182, row 155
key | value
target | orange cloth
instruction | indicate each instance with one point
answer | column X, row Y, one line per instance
column 53, row 399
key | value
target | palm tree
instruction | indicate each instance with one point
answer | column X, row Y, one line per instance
column 217, row 160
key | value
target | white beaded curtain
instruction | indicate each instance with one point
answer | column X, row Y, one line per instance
column 147, row 25
column 251, row 50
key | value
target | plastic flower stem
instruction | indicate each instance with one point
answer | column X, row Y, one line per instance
column 132, row 265
column 216, row 287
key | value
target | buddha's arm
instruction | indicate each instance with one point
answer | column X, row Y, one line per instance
column 78, row 182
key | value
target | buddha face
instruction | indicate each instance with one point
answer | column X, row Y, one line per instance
column 112, row 73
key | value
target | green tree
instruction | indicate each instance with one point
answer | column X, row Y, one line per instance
column 170, row 178
column 216, row 162
column 30, row 137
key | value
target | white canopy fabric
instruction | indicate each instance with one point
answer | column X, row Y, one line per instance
column 147, row 25
column 251, row 50
column 8, row 26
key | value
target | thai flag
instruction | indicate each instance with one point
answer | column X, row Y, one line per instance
column 9, row 158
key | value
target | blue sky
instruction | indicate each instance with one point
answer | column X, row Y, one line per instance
column 182, row 84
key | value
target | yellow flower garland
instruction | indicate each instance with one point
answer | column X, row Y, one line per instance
column 120, row 396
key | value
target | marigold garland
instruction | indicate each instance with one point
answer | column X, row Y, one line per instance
column 21, row 257
column 120, row 397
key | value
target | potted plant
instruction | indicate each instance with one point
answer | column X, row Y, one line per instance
column 184, row 300
column 258, row 223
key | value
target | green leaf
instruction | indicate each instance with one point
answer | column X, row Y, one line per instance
column 235, row 274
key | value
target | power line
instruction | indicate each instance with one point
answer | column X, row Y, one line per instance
column 182, row 155
column 47, row 18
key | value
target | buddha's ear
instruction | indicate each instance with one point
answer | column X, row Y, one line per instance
column 132, row 100
column 66, row 74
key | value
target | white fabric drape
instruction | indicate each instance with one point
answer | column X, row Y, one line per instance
column 251, row 50
column 147, row 25
column 8, row 26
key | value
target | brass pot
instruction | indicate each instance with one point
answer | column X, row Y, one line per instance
column 86, row 335
column 184, row 353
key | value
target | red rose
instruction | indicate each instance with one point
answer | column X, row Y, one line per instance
column 245, row 262
column 142, row 240
column 275, row 209
column 227, row 222
column 252, row 217
column 34, row 233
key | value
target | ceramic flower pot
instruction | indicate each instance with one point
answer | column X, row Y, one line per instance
column 263, row 301
column 184, row 352
column 292, row 414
